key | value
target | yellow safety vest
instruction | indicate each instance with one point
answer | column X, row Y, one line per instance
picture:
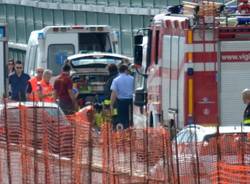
column 98, row 119
column 107, row 103
column 246, row 121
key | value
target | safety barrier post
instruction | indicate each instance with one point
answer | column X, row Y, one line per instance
column 7, row 141
column 59, row 145
column 46, row 149
column 90, row 146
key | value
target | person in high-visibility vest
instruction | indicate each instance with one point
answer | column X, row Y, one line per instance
column 246, row 100
column 33, row 85
column 45, row 91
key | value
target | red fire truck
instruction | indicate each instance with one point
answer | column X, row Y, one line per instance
column 196, row 67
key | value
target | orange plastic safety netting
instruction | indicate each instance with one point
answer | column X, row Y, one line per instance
column 197, row 162
column 132, row 156
column 231, row 174
column 38, row 144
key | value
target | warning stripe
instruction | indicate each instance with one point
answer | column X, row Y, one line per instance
column 200, row 67
column 201, row 61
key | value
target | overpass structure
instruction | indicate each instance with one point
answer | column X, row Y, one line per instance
column 125, row 17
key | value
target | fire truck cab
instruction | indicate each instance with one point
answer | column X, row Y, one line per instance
column 196, row 68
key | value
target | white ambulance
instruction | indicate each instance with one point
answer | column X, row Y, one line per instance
column 49, row 47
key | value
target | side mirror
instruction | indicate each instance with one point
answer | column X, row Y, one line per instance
column 138, row 55
column 138, row 50
column 138, row 39
column 140, row 97
column 115, row 36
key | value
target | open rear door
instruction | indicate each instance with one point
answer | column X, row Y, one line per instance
column 234, row 77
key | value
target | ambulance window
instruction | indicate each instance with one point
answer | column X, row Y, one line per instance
column 57, row 54
column 156, row 46
column 89, row 42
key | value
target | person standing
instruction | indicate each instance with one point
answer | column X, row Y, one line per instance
column 10, row 70
column 122, row 92
column 11, row 67
column 33, row 85
column 246, row 100
column 45, row 89
column 18, row 82
column 63, row 89
column 113, row 73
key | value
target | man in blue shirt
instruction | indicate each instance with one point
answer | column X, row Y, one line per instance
column 122, row 91
column 18, row 82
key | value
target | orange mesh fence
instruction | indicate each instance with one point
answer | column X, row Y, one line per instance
column 136, row 155
column 41, row 145
column 38, row 144
column 197, row 162
column 231, row 174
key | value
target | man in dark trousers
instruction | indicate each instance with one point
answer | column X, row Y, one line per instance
column 18, row 82
column 63, row 87
column 113, row 73
column 122, row 92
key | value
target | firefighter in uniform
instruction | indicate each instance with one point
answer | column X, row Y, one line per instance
column 246, row 100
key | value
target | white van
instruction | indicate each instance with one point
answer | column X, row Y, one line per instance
column 49, row 47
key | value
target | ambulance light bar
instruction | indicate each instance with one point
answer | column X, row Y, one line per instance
column 77, row 27
column 90, row 28
column 60, row 29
